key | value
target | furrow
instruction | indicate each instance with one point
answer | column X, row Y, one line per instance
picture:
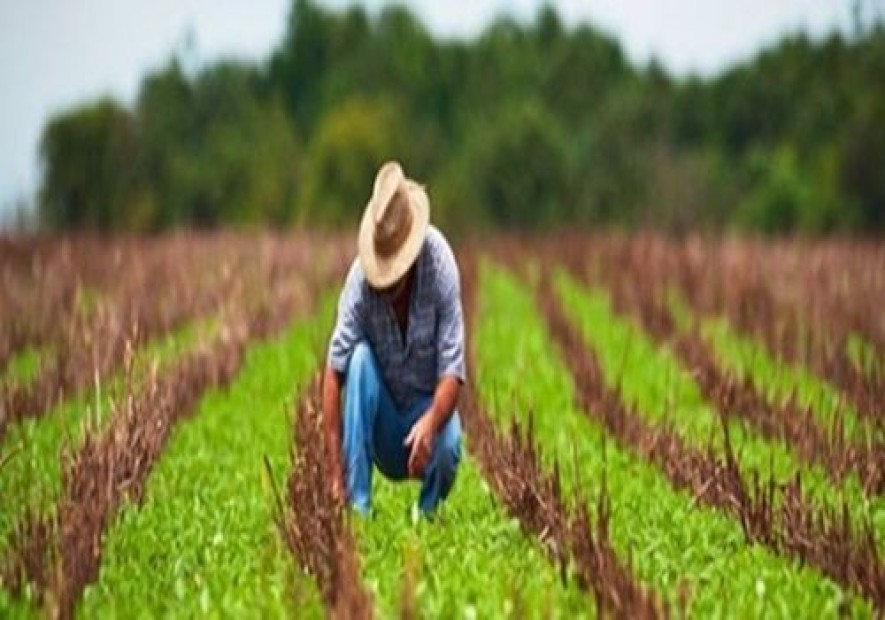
column 696, row 556
column 204, row 542
column 533, row 494
column 314, row 524
column 739, row 399
column 783, row 517
column 111, row 465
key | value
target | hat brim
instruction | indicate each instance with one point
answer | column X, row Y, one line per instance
column 382, row 272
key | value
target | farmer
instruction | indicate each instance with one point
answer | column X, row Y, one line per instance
column 397, row 352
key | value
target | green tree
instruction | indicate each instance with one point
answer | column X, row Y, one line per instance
column 166, row 133
column 862, row 162
column 778, row 193
column 351, row 143
column 517, row 167
column 87, row 155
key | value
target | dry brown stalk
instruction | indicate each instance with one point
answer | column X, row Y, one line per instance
column 60, row 554
column 636, row 291
column 782, row 517
column 110, row 467
column 146, row 288
column 314, row 524
column 532, row 493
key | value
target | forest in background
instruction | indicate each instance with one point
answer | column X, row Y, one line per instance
column 535, row 125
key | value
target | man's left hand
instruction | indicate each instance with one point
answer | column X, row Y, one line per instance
column 420, row 438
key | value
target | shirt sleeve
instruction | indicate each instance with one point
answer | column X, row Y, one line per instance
column 349, row 324
column 450, row 347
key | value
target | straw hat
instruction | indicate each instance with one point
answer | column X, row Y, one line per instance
column 393, row 226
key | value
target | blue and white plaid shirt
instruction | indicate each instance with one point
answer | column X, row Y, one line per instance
column 434, row 344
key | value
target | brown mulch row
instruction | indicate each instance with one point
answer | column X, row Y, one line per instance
column 149, row 287
column 635, row 292
column 803, row 300
column 59, row 553
column 313, row 523
column 511, row 463
column 782, row 517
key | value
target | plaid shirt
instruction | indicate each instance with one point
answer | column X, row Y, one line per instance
column 434, row 344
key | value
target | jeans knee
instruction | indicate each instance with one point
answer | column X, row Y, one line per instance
column 362, row 371
column 361, row 360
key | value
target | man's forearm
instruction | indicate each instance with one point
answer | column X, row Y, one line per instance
column 332, row 420
column 445, row 397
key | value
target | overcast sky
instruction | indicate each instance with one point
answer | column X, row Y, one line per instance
column 55, row 53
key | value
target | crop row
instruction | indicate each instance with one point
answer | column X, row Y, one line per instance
column 204, row 541
column 58, row 551
column 321, row 539
column 809, row 303
column 31, row 474
column 645, row 373
column 710, row 511
column 613, row 465
column 313, row 522
column 469, row 557
column 782, row 517
column 678, row 545
column 634, row 291
column 704, row 392
column 160, row 285
column 53, row 287
column 533, row 493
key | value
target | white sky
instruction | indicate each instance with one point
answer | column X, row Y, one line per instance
column 55, row 53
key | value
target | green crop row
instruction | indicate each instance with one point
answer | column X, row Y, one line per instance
column 748, row 358
column 31, row 476
column 675, row 545
column 472, row 561
column 778, row 380
column 204, row 542
column 653, row 380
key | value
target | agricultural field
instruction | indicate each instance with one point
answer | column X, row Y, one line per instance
column 652, row 428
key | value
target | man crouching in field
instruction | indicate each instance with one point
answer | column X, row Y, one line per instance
column 397, row 352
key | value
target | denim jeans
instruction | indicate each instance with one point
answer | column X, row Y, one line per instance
column 374, row 432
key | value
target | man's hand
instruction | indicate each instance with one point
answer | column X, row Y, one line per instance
column 423, row 433
column 420, row 438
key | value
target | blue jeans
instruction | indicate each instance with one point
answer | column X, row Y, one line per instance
column 374, row 431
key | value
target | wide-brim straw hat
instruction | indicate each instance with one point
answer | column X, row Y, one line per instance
column 393, row 227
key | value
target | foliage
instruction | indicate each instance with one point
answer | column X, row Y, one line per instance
column 527, row 125
column 83, row 152
column 206, row 526
column 514, row 168
column 653, row 380
column 473, row 560
column 702, row 555
column 345, row 151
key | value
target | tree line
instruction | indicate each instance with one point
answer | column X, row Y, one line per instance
column 525, row 126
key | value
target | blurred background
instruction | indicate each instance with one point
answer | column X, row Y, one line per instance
column 759, row 116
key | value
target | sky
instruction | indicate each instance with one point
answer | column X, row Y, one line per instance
column 57, row 53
